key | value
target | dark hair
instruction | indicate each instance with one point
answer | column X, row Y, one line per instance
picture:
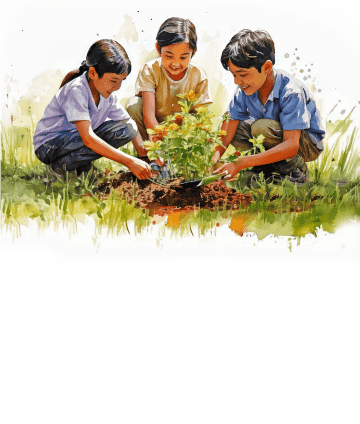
column 177, row 30
column 104, row 56
column 249, row 49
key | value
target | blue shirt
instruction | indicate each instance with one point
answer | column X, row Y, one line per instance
column 75, row 102
column 289, row 103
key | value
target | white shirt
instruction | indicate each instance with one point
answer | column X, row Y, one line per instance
column 75, row 102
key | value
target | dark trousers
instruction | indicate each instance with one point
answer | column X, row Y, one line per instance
column 68, row 150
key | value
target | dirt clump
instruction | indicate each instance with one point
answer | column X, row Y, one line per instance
column 147, row 194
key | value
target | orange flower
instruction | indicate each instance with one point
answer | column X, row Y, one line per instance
column 161, row 131
column 173, row 127
column 237, row 153
column 222, row 132
column 178, row 119
column 191, row 96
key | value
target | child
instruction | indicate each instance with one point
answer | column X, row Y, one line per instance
column 85, row 120
column 269, row 102
column 160, row 80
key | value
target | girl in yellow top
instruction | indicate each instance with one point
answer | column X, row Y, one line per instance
column 160, row 80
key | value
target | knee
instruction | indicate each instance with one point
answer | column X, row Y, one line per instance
column 134, row 106
column 131, row 128
column 264, row 126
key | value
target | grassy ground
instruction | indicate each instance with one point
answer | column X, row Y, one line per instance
column 330, row 198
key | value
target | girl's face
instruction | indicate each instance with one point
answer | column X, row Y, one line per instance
column 175, row 58
column 107, row 84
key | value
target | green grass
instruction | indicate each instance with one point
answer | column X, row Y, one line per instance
column 330, row 198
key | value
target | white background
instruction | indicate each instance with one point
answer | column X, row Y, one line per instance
column 46, row 37
column 41, row 41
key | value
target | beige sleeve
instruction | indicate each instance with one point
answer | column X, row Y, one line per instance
column 145, row 81
column 203, row 89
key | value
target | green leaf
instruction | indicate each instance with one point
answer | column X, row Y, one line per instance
column 211, row 178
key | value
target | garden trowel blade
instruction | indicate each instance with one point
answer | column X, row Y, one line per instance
column 206, row 180
column 190, row 184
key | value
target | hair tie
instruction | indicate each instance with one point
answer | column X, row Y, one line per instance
column 84, row 64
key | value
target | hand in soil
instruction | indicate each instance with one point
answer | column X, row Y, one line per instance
column 140, row 169
column 150, row 195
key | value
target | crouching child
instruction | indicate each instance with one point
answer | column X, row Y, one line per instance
column 270, row 102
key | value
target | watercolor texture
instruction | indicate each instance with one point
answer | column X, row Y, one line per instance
column 314, row 40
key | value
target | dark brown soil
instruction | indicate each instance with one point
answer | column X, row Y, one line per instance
column 147, row 194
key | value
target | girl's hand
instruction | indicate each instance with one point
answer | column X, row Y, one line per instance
column 140, row 169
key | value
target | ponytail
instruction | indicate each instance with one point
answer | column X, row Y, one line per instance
column 75, row 73
column 104, row 56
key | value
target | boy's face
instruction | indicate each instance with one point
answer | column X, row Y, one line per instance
column 175, row 58
column 250, row 80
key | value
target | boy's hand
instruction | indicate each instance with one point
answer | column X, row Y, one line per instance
column 232, row 168
column 216, row 157
column 219, row 151
column 140, row 169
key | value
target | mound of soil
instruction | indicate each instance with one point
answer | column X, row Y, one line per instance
column 147, row 194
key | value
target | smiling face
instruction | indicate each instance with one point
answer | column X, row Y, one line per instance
column 175, row 59
column 107, row 84
column 250, row 80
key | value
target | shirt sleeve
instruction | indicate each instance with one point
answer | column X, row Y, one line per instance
column 116, row 112
column 204, row 90
column 237, row 108
column 76, row 105
column 145, row 80
column 294, row 114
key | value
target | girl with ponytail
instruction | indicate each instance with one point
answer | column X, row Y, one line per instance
column 85, row 121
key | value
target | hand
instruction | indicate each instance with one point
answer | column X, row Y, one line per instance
column 141, row 151
column 216, row 156
column 140, row 169
column 215, row 167
column 153, row 138
column 231, row 168
column 219, row 151
column 159, row 161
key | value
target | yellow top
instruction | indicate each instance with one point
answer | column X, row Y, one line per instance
column 153, row 77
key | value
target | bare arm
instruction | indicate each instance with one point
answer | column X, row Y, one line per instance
column 150, row 121
column 148, row 99
column 139, row 146
column 288, row 148
column 139, row 168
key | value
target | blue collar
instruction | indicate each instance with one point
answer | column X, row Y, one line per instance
column 275, row 93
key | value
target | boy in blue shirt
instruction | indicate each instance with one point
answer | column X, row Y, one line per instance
column 269, row 102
